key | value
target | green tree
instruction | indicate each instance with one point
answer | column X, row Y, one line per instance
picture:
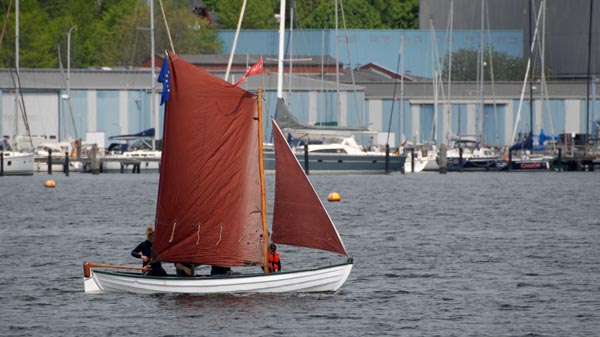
column 108, row 32
column 37, row 41
column 257, row 15
column 465, row 65
column 398, row 14
column 320, row 14
column 190, row 33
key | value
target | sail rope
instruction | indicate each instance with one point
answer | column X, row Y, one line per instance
column 243, row 234
column 173, row 232
column 220, row 235
column 198, row 235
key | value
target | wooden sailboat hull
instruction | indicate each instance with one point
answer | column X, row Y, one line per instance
column 325, row 279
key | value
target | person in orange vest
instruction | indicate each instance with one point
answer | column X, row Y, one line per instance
column 274, row 260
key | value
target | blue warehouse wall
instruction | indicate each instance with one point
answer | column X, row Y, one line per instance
column 75, row 125
column 139, row 116
column 108, row 115
column 374, row 46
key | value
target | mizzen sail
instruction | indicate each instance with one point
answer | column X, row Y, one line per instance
column 299, row 217
column 209, row 202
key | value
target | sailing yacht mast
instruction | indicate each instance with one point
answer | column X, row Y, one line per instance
column 281, row 42
column 152, row 66
column 527, row 70
column 17, row 87
column 337, row 65
column 589, row 77
column 263, row 193
column 479, row 123
column 449, row 100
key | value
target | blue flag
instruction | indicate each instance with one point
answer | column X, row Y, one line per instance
column 164, row 77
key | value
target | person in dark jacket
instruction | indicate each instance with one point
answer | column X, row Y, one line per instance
column 144, row 251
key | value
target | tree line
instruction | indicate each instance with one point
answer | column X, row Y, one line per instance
column 116, row 33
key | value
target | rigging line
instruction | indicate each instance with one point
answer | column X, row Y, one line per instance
column 528, row 68
column 20, row 102
column 162, row 9
column 589, row 77
column 449, row 97
column 439, row 81
column 135, row 38
column 541, row 50
column 491, row 66
column 60, row 64
column 394, row 95
column 544, row 92
column 5, row 24
column 235, row 38
column 356, row 105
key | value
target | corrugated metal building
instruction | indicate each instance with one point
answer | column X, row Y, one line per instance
column 567, row 27
column 118, row 102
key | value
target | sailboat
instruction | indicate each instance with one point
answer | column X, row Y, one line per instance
column 211, row 204
column 329, row 149
column 15, row 162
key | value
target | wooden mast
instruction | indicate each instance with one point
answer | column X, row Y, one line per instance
column 261, row 165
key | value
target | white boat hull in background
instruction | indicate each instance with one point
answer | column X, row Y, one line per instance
column 419, row 164
column 326, row 279
column 17, row 163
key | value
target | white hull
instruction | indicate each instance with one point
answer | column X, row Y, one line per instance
column 326, row 279
column 419, row 164
column 114, row 165
column 17, row 163
column 432, row 165
column 148, row 161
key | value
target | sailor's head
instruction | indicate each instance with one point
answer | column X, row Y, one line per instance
column 272, row 247
column 150, row 233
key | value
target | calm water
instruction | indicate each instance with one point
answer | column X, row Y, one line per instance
column 472, row 254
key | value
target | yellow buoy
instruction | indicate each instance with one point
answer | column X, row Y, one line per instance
column 334, row 196
column 50, row 183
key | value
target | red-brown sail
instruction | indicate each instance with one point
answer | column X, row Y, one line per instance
column 209, row 202
column 299, row 217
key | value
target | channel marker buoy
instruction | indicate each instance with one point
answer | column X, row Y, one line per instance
column 334, row 197
column 50, row 183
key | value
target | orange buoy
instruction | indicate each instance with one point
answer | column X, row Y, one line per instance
column 334, row 196
column 50, row 183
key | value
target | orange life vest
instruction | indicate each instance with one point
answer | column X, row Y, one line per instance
column 274, row 261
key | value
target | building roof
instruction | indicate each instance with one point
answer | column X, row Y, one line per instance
column 140, row 79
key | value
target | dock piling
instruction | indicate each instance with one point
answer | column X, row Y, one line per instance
column 443, row 159
column 49, row 161
column 66, row 164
